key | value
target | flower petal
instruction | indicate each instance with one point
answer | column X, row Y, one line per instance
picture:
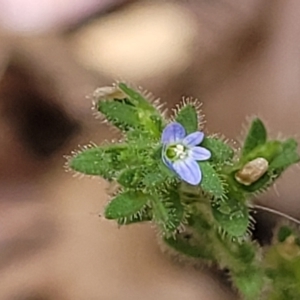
column 172, row 133
column 188, row 170
column 193, row 139
column 199, row 153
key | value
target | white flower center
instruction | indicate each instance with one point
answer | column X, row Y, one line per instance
column 175, row 152
column 180, row 151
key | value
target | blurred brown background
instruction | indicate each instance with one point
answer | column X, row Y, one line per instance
column 238, row 58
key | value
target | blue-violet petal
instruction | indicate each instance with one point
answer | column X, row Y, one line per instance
column 199, row 153
column 193, row 139
column 172, row 133
column 188, row 170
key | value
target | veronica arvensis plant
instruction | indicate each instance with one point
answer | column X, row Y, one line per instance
column 196, row 188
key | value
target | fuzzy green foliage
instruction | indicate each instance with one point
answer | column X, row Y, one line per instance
column 211, row 182
column 126, row 205
column 232, row 216
column 190, row 247
column 282, row 264
column 187, row 117
column 100, row 161
column 221, row 152
column 257, row 136
column 286, row 157
column 131, row 112
column 120, row 113
column 250, row 282
column 168, row 211
column 210, row 221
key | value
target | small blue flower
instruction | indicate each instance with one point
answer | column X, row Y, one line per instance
column 181, row 153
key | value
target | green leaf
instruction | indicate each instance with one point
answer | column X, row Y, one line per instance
column 148, row 116
column 256, row 136
column 131, row 178
column 187, row 117
column 232, row 215
column 136, row 98
column 269, row 151
column 157, row 174
column 98, row 161
column 182, row 245
column 138, row 136
column 126, row 205
column 119, row 113
column 247, row 252
column 145, row 215
column 249, row 282
column 190, row 243
column 168, row 212
column 220, row 151
column 211, row 182
column 287, row 157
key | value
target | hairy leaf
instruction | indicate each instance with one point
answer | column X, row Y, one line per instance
column 287, row 157
column 157, row 174
column 269, row 151
column 187, row 117
column 168, row 212
column 99, row 161
column 145, row 215
column 119, row 113
column 131, row 177
column 220, row 151
column 247, row 252
column 211, row 182
column 147, row 114
column 257, row 135
column 136, row 99
column 232, row 215
column 249, row 282
column 126, row 205
column 182, row 245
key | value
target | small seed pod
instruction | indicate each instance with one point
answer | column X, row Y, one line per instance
column 252, row 171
